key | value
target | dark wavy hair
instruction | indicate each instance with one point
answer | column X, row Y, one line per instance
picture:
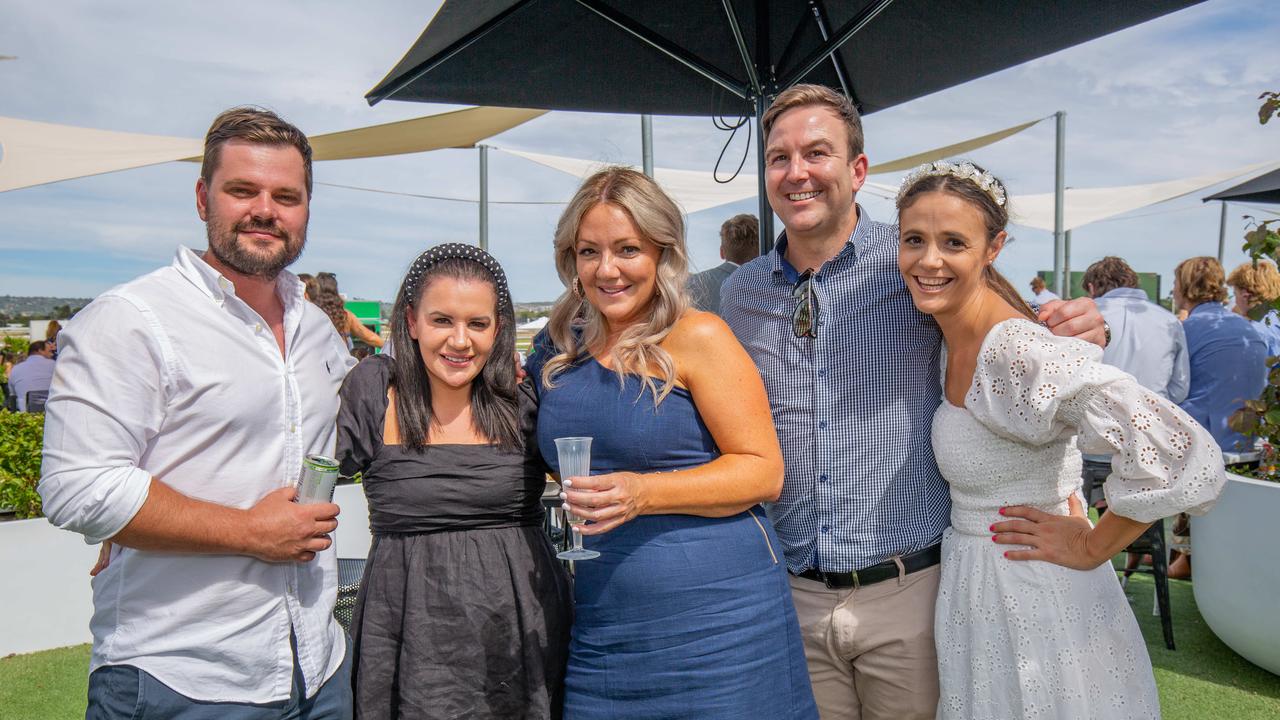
column 330, row 301
column 494, row 404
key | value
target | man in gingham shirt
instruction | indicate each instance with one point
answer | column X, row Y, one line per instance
column 852, row 372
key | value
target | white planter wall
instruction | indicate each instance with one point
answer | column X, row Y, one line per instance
column 45, row 599
column 1236, row 568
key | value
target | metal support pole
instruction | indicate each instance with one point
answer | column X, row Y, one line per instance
column 1066, row 262
column 766, row 211
column 646, row 143
column 484, row 197
column 1059, row 194
column 1222, row 233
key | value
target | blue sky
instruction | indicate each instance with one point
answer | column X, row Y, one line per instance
column 1175, row 97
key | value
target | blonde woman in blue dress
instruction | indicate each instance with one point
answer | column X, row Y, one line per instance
column 1034, row 624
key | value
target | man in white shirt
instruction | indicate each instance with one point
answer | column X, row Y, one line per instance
column 181, row 411
column 1041, row 295
column 739, row 243
column 1147, row 342
column 33, row 374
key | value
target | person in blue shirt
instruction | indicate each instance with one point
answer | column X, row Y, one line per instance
column 851, row 369
column 1228, row 353
column 1254, row 285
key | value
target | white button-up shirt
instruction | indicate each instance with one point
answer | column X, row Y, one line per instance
column 174, row 377
column 1147, row 342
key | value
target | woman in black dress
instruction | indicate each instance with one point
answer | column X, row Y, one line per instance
column 464, row 610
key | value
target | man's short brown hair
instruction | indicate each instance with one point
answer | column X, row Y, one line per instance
column 1108, row 274
column 1200, row 280
column 252, row 125
column 740, row 238
column 1037, row 283
column 806, row 95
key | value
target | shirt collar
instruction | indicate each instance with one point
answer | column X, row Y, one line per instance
column 1209, row 308
column 191, row 265
column 1126, row 292
column 854, row 245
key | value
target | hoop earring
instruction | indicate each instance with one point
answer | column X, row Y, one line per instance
column 576, row 288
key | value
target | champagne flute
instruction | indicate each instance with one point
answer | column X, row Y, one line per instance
column 574, row 458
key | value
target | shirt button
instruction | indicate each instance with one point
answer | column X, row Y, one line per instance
column 826, row 528
column 822, row 322
column 822, row 478
column 258, row 327
column 822, row 425
column 293, row 428
column 822, row 372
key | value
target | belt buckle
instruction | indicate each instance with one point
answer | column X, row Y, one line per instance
column 826, row 580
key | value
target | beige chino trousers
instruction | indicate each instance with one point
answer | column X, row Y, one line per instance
column 870, row 649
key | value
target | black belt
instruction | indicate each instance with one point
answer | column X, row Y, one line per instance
column 914, row 562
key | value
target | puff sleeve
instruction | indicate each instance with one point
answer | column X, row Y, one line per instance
column 1034, row 387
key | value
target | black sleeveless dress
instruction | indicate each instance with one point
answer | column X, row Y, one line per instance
column 464, row 610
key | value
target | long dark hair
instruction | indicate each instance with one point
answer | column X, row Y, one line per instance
column 994, row 215
column 330, row 301
column 494, row 405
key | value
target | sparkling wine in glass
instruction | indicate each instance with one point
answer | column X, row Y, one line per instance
column 574, row 456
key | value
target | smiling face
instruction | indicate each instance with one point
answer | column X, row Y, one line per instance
column 255, row 207
column 943, row 252
column 618, row 267
column 809, row 176
column 455, row 325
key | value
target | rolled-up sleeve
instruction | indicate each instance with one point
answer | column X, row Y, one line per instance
column 105, row 404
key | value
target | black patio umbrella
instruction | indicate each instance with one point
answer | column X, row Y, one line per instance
column 731, row 57
column 1263, row 189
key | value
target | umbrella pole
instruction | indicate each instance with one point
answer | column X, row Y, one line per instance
column 1059, row 193
column 484, row 197
column 646, row 143
column 766, row 212
column 1222, row 233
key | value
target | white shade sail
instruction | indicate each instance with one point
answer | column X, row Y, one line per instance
column 36, row 153
column 697, row 190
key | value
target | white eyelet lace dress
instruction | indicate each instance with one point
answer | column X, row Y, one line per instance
column 1031, row 639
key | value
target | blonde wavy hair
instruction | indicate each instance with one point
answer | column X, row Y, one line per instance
column 1260, row 280
column 636, row 351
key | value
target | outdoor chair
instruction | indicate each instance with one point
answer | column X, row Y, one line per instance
column 36, row 400
column 1150, row 543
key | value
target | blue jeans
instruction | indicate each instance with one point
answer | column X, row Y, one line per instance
column 123, row 692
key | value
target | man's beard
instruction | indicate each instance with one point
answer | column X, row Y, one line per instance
column 224, row 243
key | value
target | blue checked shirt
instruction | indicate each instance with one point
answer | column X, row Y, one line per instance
column 853, row 407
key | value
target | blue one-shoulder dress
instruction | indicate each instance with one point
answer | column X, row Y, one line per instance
column 680, row 616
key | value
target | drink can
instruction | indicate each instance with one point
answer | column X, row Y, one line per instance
column 317, row 480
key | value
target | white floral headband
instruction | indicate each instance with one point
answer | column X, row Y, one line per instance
column 964, row 171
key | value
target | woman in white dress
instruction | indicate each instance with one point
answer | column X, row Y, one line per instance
column 1034, row 624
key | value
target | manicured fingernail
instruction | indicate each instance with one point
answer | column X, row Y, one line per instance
column 992, row 528
column 566, row 482
column 1001, row 511
column 563, row 496
column 993, row 538
column 1006, row 555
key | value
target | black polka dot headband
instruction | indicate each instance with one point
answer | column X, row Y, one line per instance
column 457, row 251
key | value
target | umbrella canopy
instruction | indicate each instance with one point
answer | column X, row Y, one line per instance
column 730, row 58
column 700, row 57
column 1264, row 189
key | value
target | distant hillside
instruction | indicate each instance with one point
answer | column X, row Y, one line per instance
column 13, row 306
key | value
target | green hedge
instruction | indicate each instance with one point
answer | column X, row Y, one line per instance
column 21, row 442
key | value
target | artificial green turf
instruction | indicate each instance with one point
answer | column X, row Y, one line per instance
column 45, row 685
column 1203, row 679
